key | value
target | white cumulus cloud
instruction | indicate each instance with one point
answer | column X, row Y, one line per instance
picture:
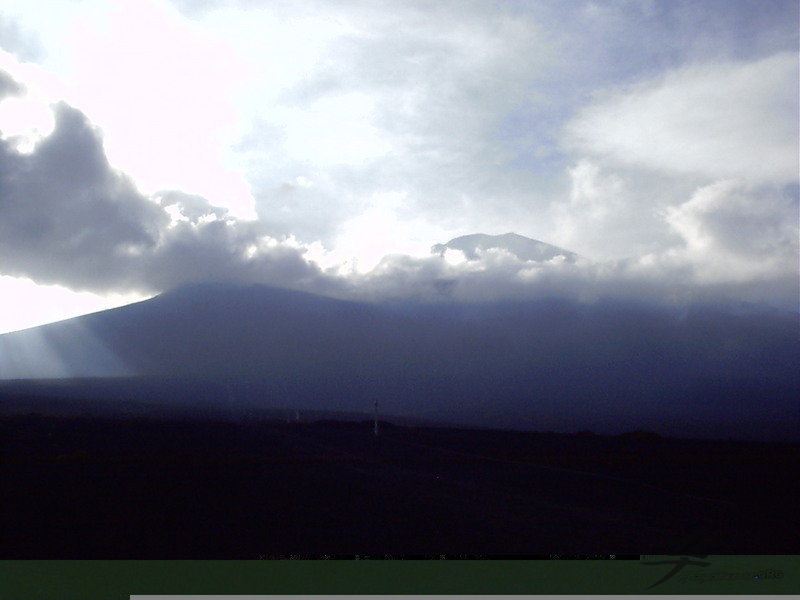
column 735, row 232
column 716, row 119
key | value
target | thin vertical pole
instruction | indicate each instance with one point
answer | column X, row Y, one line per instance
column 375, row 430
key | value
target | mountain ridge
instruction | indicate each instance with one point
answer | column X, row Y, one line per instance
column 522, row 247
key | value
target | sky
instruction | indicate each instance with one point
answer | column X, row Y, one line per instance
column 327, row 146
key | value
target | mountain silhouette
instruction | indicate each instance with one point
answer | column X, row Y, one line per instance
column 520, row 246
column 548, row 364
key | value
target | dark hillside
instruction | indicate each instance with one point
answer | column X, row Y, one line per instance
column 167, row 488
column 543, row 364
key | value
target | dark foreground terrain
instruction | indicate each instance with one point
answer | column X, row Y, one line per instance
column 115, row 487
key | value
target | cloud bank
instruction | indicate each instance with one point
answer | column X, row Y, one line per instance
column 718, row 120
column 70, row 218
column 658, row 141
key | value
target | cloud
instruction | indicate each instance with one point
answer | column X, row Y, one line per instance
column 669, row 167
column 409, row 100
column 736, row 232
column 373, row 129
column 457, row 107
column 467, row 104
column 68, row 217
column 15, row 39
column 664, row 281
column 607, row 214
column 190, row 207
column 8, row 86
column 717, row 120
column 739, row 244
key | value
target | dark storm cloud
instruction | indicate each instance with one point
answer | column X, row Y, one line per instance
column 221, row 251
column 69, row 218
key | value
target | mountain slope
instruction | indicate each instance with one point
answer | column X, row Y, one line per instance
column 546, row 364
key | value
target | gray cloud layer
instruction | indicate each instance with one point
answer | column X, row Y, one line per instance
column 69, row 218
column 480, row 117
column 582, row 123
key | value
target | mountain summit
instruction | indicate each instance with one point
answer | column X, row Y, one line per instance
column 522, row 247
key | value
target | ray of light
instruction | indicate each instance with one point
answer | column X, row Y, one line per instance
column 62, row 350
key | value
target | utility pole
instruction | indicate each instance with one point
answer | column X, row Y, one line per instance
column 375, row 430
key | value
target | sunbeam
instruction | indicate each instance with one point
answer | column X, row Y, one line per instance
column 67, row 349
